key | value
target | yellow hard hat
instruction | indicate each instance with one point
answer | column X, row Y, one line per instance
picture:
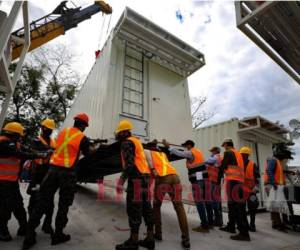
column 246, row 150
column 14, row 127
column 48, row 123
column 123, row 126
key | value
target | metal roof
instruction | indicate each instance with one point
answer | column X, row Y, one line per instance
column 262, row 129
column 258, row 129
column 263, row 123
column 275, row 27
column 158, row 45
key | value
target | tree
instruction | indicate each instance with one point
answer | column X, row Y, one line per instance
column 198, row 114
column 46, row 88
column 61, row 81
column 295, row 127
column 26, row 95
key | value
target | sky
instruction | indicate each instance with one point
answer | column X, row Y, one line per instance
column 239, row 80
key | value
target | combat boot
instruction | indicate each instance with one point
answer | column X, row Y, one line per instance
column 29, row 241
column 186, row 244
column 47, row 228
column 240, row 237
column 5, row 236
column 128, row 245
column 201, row 229
column 252, row 227
column 158, row 236
column 147, row 243
column 228, row 229
column 60, row 237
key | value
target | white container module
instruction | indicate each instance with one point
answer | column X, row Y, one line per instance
column 257, row 133
column 140, row 75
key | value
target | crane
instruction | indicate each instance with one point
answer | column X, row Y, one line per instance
column 55, row 24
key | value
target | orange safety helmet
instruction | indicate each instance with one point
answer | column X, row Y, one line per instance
column 82, row 117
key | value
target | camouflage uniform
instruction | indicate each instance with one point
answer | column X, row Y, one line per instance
column 11, row 200
column 138, row 196
column 56, row 178
column 38, row 173
column 60, row 178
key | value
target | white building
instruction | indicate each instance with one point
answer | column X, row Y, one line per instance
column 255, row 132
column 141, row 75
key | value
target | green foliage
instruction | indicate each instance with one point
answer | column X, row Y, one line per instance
column 46, row 88
column 23, row 106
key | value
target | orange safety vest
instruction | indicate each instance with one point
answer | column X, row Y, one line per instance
column 278, row 175
column 67, row 148
column 213, row 170
column 198, row 159
column 52, row 145
column 161, row 164
column 249, row 177
column 9, row 166
column 140, row 160
column 236, row 173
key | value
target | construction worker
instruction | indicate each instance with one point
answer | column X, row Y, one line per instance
column 233, row 168
column 213, row 164
column 11, row 200
column 137, row 171
column 275, row 181
column 251, row 185
column 43, row 143
column 61, row 175
column 197, row 173
column 166, row 182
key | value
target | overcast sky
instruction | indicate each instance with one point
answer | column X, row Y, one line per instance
column 238, row 79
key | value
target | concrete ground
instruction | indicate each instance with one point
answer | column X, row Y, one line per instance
column 95, row 224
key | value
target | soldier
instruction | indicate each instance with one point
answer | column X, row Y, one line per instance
column 43, row 143
column 61, row 175
column 11, row 200
column 137, row 171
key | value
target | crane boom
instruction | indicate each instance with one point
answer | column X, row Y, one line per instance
column 55, row 24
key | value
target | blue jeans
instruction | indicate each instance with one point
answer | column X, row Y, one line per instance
column 216, row 206
column 198, row 188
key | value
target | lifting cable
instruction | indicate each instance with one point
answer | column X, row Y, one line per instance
column 108, row 24
column 101, row 31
